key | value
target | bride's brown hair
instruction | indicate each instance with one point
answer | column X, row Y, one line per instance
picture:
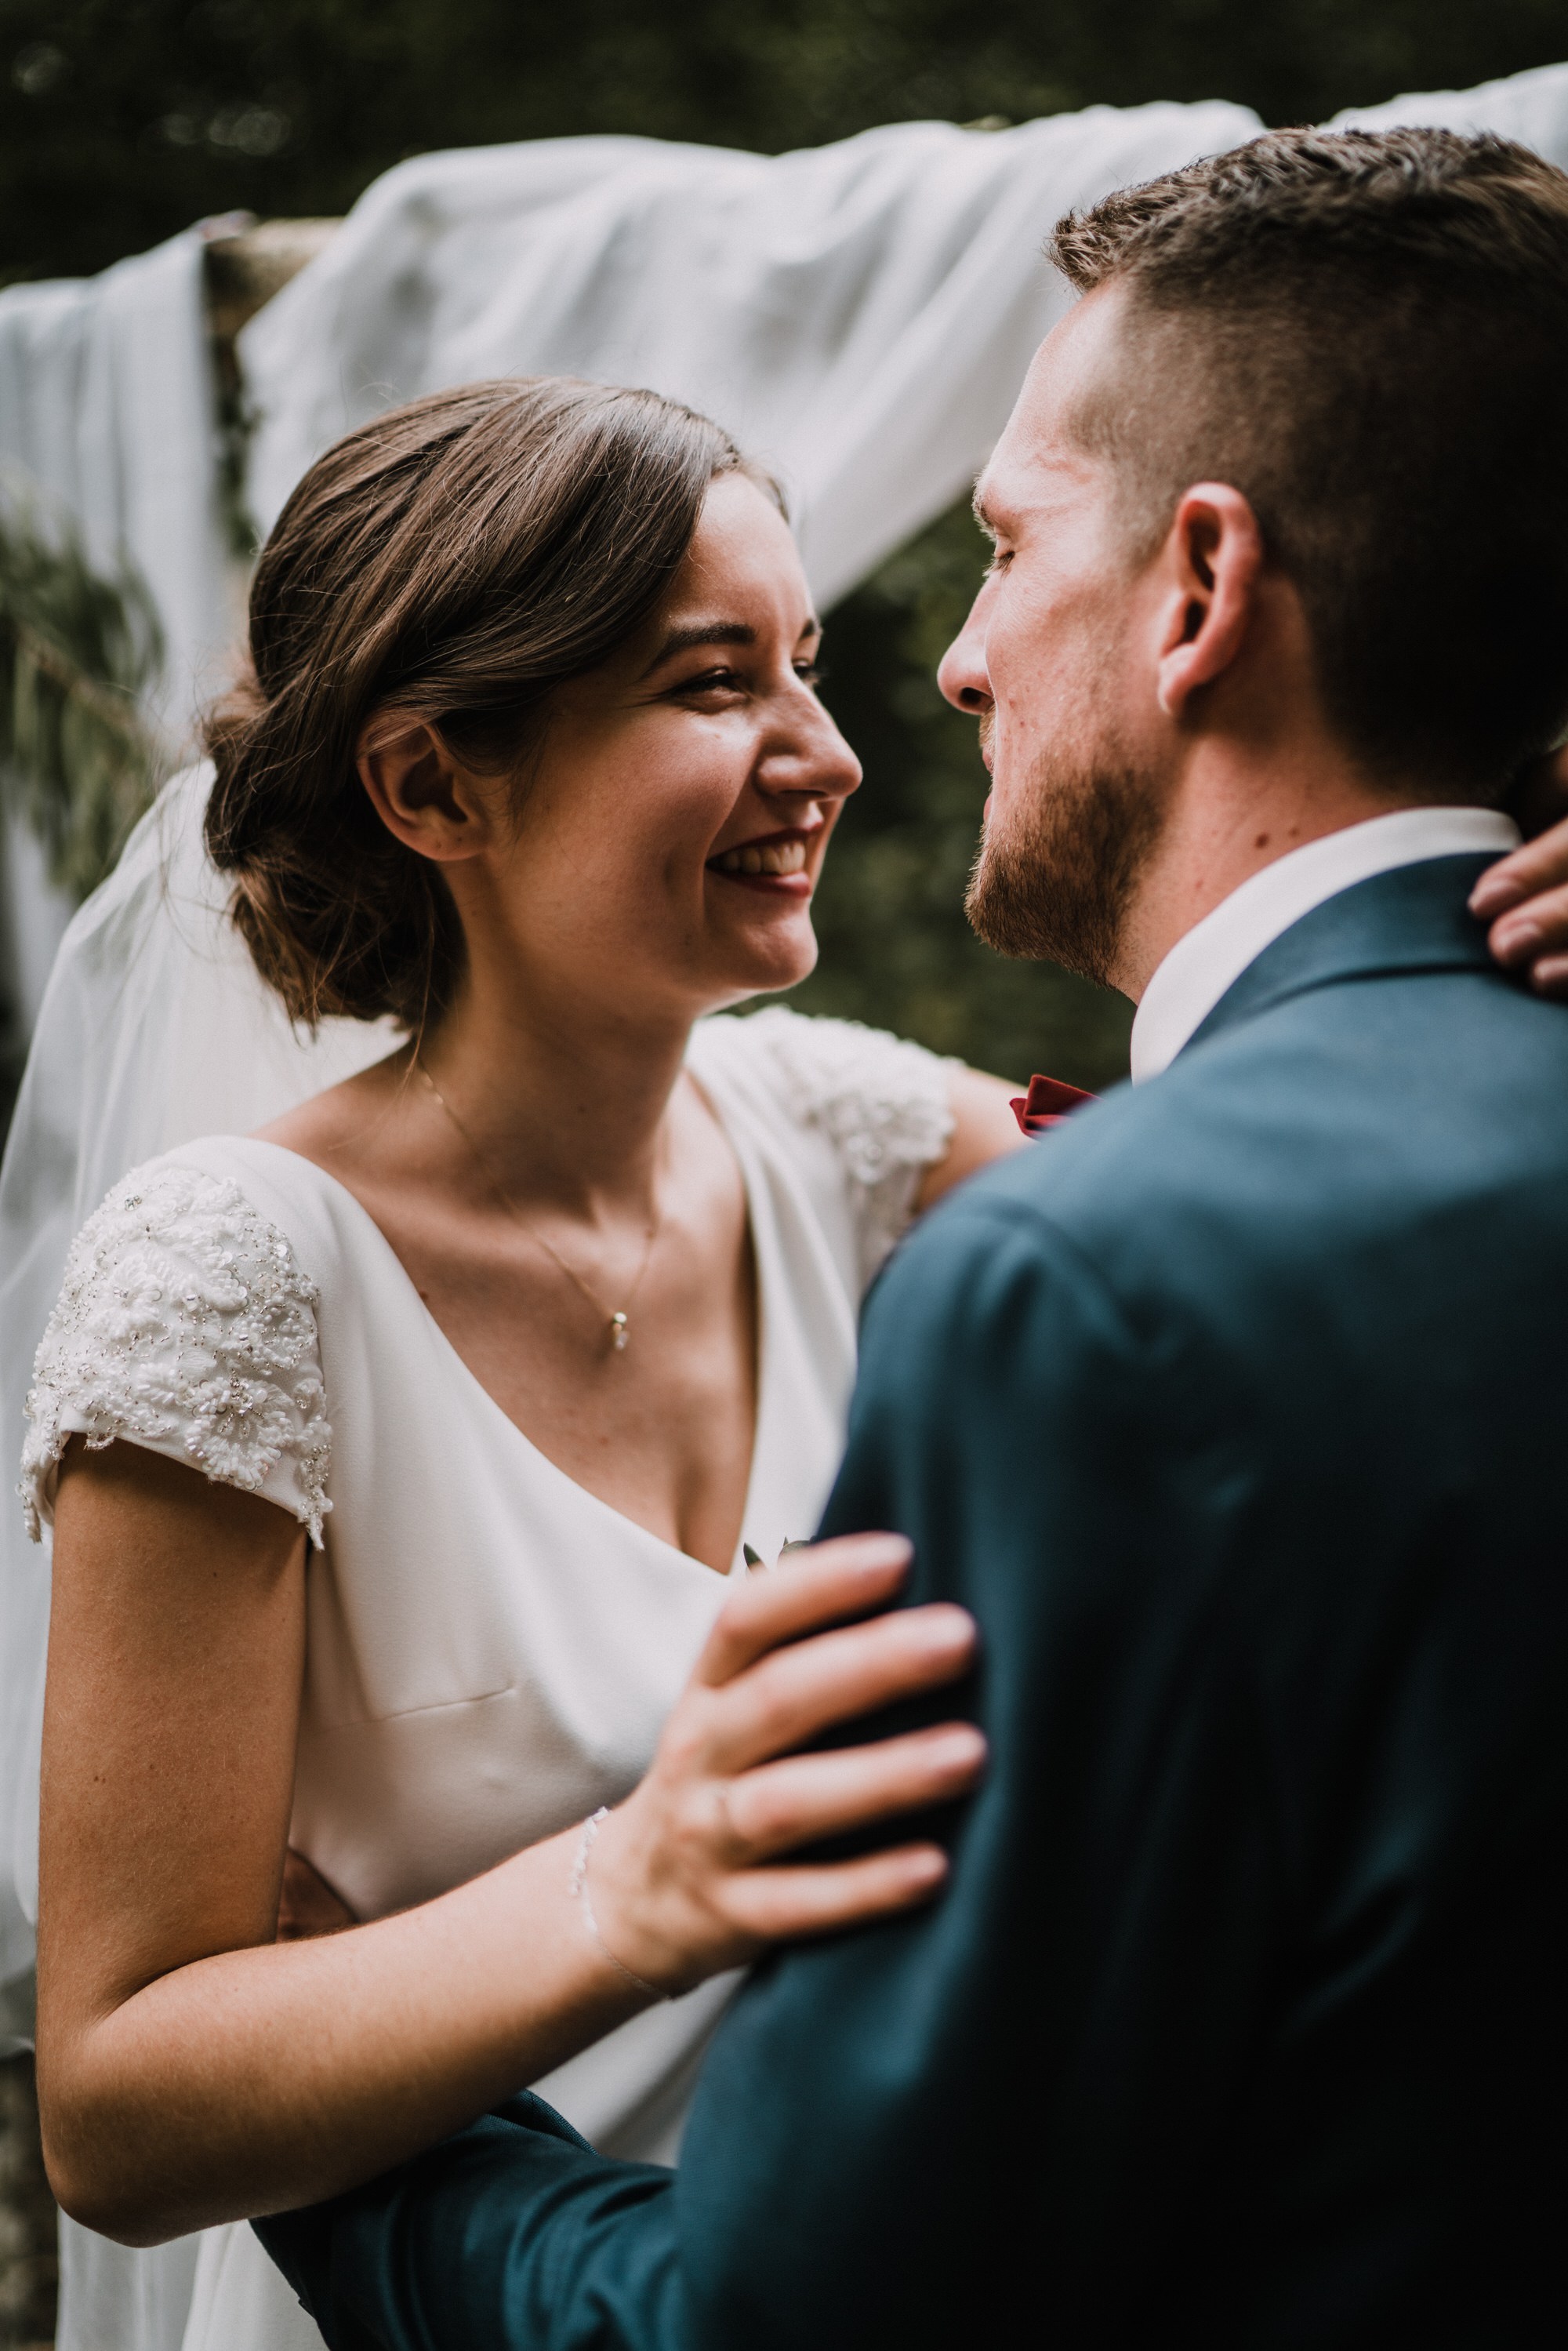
column 452, row 563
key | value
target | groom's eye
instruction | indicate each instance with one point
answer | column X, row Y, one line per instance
column 810, row 673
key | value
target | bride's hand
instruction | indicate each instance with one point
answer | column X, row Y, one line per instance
column 1524, row 898
column 685, row 1876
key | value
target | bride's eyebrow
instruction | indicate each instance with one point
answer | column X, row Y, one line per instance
column 716, row 632
column 710, row 632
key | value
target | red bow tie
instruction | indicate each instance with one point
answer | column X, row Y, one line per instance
column 1047, row 1103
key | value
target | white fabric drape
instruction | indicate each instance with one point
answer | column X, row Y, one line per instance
column 107, row 416
column 1530, row 106
column 859, row 317
column 107, row 422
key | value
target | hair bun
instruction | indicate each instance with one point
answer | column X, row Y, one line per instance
column 227, row 725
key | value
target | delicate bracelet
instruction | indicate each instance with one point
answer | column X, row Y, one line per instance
column 578, row 1889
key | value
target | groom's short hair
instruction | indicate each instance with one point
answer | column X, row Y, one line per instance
column 1366, row 333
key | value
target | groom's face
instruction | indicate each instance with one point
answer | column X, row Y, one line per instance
column 1052, row 661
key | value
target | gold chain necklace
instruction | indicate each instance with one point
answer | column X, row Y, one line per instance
column 617, row 1324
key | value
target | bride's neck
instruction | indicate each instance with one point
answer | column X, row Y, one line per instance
column 566, row 1101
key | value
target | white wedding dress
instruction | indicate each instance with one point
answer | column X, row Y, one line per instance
column 491, row 1650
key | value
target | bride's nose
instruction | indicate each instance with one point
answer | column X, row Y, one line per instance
column 805, row 754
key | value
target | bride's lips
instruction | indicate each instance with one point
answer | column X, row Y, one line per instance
column 778, row 863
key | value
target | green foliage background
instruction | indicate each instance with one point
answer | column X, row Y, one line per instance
column 76, row 650
column 120, row 120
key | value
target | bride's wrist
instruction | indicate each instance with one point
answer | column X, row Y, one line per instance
column 616, row 1913
column 591, row 1888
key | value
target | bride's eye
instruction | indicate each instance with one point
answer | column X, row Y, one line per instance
column 711, row 681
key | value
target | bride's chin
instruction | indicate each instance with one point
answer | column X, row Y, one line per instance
column 765, row 965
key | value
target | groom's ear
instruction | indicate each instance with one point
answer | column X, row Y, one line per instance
column 421, row 793
column 1212, row 562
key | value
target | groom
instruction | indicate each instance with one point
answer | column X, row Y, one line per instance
column 1237, row 1409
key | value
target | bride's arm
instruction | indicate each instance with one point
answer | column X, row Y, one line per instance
column 191, row 2069
column 984, row 1128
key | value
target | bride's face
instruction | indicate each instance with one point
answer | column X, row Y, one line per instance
column 675, row 824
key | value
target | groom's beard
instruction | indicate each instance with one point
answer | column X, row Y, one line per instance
column 1056, row 886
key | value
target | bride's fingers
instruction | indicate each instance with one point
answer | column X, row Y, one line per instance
column 810, row 1796
column 822, row 1584
column 798, row 1691
column 669, row 1862
column 1540, row 866
column 1550, row 977
column 1538, row 927
column 775, row 1905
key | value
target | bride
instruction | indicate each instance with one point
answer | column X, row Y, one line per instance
column 404, row 1458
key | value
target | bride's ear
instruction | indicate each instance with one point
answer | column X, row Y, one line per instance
column 421, row 793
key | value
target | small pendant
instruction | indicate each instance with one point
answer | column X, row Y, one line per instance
column 620, row 1332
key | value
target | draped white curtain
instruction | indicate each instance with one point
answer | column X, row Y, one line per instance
column 107, row 423
column 859, row 316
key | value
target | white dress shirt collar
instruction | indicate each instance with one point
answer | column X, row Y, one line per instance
column 1201, row 965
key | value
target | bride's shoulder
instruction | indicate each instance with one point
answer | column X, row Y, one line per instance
column 186, row 1323
column 881, row 1100
column 334, row 1124
column 866, row 1111
column 226, row 1201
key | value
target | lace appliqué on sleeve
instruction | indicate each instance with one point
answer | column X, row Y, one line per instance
column 186, row 1325
column 882, row 1102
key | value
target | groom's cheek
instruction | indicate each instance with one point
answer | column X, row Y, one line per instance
column 1029, row 692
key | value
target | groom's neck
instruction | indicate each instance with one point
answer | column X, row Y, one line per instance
column 1228, row 816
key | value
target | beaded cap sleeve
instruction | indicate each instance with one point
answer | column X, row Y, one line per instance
column 186, row 1325
column 882, row 1102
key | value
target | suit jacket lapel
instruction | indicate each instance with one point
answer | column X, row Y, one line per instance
column 1412, row 919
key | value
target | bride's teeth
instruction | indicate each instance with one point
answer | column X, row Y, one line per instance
column 771, row 857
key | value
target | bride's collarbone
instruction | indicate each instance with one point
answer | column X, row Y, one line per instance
column 655, row 1414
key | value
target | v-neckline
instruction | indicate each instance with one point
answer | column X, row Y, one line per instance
column 465, row 1372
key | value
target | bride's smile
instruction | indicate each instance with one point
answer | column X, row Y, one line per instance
column 776, row 862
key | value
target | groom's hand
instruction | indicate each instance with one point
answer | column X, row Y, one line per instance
column 1525, row 897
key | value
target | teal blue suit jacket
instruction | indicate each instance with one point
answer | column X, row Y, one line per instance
column 1237, row 1410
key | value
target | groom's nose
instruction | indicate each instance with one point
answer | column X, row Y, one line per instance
column 962, row 675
